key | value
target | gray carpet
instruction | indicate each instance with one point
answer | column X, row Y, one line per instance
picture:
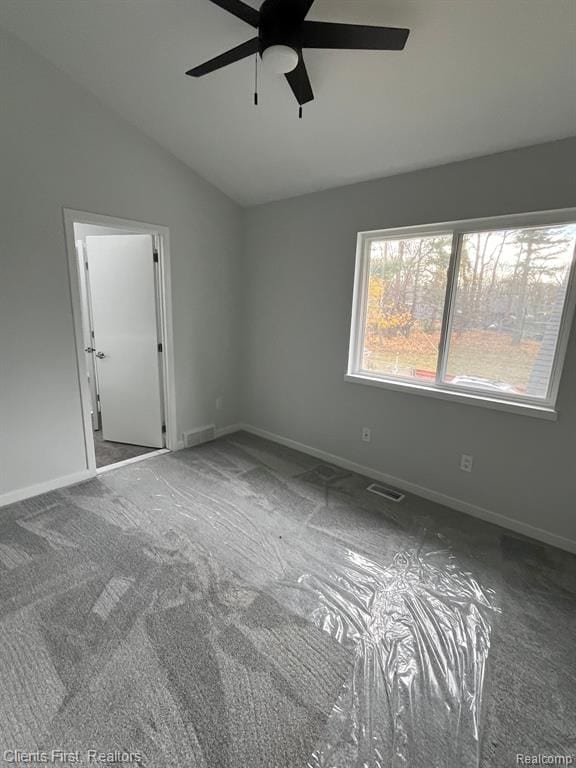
column 241, row 605
column 108, row 452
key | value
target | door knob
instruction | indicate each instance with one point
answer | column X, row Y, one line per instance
column 100, row 355
column 89, row 349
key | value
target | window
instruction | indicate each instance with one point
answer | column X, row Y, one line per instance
column 471, row 309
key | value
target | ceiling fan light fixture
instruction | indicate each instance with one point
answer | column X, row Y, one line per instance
column 280, row 59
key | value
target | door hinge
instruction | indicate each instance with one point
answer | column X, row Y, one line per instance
column 160, row 347
column 163, row 429
column 86, row 264
column 155, row 257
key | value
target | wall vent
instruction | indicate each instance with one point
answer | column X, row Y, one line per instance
column 388, row 493
column 199, row 436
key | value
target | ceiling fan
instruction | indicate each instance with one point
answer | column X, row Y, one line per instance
column 282, row 34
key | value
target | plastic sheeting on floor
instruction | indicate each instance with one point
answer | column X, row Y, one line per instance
column 420, row 632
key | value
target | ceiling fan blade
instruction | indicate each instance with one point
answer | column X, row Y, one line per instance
column 320, row 34
column 240, row 10
column 299, row 81
column 235, row 54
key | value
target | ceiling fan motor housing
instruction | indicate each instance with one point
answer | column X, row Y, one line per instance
column 280, row 24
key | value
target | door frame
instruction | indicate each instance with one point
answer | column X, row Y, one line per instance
column 86, row 311
column 161, row 235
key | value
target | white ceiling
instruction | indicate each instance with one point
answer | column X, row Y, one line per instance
column 477, row 76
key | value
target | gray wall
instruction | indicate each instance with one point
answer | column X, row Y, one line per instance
column 60, row 148
column 298, row 273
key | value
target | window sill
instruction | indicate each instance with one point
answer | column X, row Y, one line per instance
column 484, row 401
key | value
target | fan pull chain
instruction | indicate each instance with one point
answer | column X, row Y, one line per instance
column 256, row 81
column 300, row 113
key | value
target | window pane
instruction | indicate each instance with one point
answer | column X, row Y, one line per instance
column 511, row 288
column 404, row 306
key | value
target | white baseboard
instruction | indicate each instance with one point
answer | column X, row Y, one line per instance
column 459, row 505
column 49, row 485
column 220, row 432
column 223, row 431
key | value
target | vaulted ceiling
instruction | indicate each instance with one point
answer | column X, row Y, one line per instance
column 477, row 76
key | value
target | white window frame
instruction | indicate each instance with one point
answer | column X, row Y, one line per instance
column 540, row 407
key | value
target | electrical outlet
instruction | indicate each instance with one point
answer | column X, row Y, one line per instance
column 219, row 403
column 366, row 434
column 466, row 462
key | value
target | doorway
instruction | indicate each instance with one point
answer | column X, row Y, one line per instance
column 122, row 316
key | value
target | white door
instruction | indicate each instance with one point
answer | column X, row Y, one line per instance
column 87, row 334
column 123, row 291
